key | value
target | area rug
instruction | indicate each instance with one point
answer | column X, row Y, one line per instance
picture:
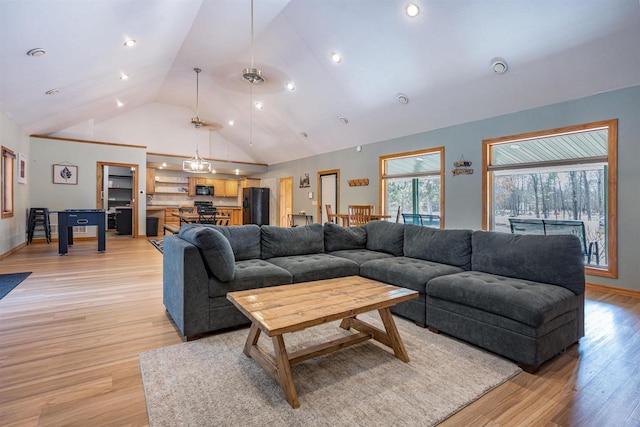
column 10, row 281
column 211, row 382
column 157, row 244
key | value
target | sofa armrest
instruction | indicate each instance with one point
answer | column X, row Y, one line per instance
column 185, row 286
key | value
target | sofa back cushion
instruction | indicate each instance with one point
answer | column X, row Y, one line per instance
column 451, row 247
column 556, row 260
column 337, row 238
column 215, row 250
column 244, row 239
column 384, row 236
column 284, row 241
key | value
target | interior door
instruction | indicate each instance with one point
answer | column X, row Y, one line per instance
column 102, row 190
column 285, row 200
column 328, row 193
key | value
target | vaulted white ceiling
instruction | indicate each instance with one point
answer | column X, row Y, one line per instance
column 441, row 60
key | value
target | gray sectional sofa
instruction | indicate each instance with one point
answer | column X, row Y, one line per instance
column 520, row 296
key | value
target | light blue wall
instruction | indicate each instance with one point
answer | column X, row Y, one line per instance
column 12, row 229
column 463, row 192
column 46, row 152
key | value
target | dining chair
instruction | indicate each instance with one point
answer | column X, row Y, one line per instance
column 359, row 215
column 329, row 213
column 207, row 215
column 181, row 211
column 398, row 215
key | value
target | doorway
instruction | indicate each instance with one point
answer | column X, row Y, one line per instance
column 285, row 200
column 328, row 193
column 116, row 185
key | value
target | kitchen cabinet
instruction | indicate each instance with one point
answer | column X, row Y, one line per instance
column 231, row 188
column 151, row 178
column 169, row 218
column 192, row 187
column 250, row 182
column 234, row 213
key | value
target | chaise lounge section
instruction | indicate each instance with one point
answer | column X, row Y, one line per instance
column 520, row 296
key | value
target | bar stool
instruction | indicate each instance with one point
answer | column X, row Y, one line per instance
column 38, row 216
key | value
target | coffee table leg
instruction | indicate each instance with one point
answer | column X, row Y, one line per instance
column 392, row 333
column 284, row 371
column 252, row 339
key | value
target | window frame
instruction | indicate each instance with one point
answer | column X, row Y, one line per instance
column 8, row 182
column 611, row 270
column 381, row 178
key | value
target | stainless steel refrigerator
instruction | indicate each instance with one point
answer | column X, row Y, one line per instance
column 255, row 206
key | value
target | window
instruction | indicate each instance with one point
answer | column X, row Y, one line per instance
column 8, row 161
column 557, row 181
column 414, row 182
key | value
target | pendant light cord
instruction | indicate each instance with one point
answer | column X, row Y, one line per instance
column 251, row 33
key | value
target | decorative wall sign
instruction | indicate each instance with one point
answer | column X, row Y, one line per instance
column 304, row 182
column 22, row 168
column 65, row 174
column 358, row 182
column 462, row 167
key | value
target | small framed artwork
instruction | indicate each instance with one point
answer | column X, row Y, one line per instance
column 22, row 168
column 65, row 174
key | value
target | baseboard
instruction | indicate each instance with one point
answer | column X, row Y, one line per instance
column 13, row 250
column 620, row 291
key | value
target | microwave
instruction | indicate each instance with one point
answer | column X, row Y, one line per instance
column 204, row 190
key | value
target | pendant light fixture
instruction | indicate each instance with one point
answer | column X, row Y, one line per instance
column 196, row 164
column 195, row 121
column 252, row 75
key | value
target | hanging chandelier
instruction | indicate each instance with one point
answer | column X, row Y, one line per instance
column 196, row 164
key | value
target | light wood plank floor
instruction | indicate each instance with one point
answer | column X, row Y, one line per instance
column 71, row 333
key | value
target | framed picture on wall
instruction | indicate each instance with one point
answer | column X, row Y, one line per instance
column 22, row 168
column 65, row 174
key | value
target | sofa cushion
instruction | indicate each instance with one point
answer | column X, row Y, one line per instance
column 383, row 236
column 250, row 274
column 409, row 273
column 284, row 241
column 556, row 260
column 451, row 247
column 526, row 301
column 244, row 239
column 305, row 268
column 360, row 256
column 337, row 238
column 215, row 250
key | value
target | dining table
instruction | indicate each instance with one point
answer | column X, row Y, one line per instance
column 344, row 218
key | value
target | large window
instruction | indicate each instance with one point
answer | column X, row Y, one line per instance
column 8, row 164
column 413, row 182
column 557, row 182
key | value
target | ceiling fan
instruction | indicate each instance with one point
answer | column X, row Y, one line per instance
column 196, row 121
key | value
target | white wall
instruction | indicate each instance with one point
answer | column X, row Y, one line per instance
column 463, row 193
column 13, row 230
column 163, row 129
column 46, row 152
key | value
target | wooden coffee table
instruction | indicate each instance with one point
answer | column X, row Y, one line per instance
column 281, row 309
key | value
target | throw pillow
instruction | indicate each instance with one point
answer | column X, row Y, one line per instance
column 215, row 250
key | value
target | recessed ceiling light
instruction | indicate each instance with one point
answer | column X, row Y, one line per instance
column 52, row 92
column 213, row 171
column 119, row 103
column 343, row 120
column 336, row 57
column 290, row 86
column 36, row 52
column 237, row 171
column 403, row 99
column 129, row 42
column 164, row 165
column 304, row 134
column 231, row 122
column 412, row 10
column 259, row 105
column 124, row 76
